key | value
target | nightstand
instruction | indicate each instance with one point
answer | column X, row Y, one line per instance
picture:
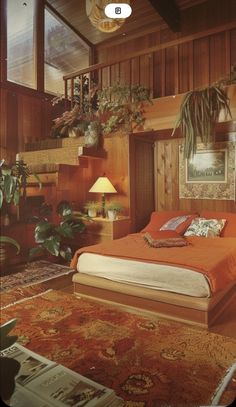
column 103, row 229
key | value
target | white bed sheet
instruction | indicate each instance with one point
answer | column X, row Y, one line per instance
column 148, row 275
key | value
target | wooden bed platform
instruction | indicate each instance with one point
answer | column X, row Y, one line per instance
column 193, row 310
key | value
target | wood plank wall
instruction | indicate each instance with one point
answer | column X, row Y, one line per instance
column 184, row 65
column 26, row 116
column 167, row 182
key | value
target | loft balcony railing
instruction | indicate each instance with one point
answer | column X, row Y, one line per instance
column 166, row 69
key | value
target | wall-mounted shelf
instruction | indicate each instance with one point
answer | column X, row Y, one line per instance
column 91, row 152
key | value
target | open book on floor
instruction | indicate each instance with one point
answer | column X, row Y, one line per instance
column 43, row 383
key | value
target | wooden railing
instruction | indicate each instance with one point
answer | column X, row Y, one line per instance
column 166, row 69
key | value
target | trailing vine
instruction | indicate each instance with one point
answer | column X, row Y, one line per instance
column 200, row 111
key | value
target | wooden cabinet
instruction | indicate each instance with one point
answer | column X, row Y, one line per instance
column 101, row 230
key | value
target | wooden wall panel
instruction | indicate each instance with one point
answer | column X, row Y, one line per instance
column 146, row 70
column 167, row 183
column 166, row 175
column 170, row 77
column 157, row 74
column 233, row 46
column 8, row 125
column 201, row 62
column 135, row 71
column 105, row 77
column 184, row 67
column 217, row 63
column 115, row 73
column 125, row 68
column 25, row 116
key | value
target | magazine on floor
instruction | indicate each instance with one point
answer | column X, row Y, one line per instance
column 43, row 383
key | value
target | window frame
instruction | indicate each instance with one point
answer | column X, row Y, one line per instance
column 39, row 34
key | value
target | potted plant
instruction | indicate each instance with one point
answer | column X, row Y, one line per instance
column 13, row 183
column 4, row 242
column 53, row 238
column 108, row 110
column 92, row 207
column 122, row 106
column 112, row 209
column 200, row 111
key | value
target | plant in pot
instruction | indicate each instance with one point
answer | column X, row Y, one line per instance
column 5, row 242
column 112, row 209
column 122, row 107
column 13, row 183
column 200, row 111
column 55, row 238
column 92, row 207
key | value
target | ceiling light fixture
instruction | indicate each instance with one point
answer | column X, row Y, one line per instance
column 95, row 10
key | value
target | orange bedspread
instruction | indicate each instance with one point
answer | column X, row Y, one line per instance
column 215, row 258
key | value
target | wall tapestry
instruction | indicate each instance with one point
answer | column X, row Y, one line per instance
column 210, row 174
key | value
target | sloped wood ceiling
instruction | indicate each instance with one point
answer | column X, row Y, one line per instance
column 143, row 15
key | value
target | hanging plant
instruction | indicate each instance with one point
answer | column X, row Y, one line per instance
column 199, row 113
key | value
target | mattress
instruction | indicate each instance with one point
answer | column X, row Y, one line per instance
column 147, row 275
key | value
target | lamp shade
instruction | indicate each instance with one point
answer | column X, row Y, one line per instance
column 103, row 185
column 95, row 12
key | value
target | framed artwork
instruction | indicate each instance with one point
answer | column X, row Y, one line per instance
column 209, row 174
column 207, row 166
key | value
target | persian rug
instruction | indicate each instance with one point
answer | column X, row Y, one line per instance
column 34, row 273
column 148, row 361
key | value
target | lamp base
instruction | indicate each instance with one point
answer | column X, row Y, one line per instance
column 103, row 206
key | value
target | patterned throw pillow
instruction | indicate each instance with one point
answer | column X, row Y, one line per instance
column 205, row 227
column 178, row 223
column 165, row 239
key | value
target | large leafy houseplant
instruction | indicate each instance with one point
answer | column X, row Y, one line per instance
column 13, row 182
column 52, row 237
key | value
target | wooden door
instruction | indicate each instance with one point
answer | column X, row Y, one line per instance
column 142, row 194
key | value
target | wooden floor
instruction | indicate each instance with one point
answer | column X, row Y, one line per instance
column 225, row 325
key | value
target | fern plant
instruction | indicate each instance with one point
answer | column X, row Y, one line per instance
column 199, row 113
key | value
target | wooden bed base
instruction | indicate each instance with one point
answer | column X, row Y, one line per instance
column 193, row 310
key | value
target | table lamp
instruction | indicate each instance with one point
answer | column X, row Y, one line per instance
column 103, row 186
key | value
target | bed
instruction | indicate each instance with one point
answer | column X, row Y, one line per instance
column 191, row 282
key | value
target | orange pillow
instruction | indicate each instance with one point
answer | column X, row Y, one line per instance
column 158, row 219
column 230, row 226
column 164, row 234
column 165, row 238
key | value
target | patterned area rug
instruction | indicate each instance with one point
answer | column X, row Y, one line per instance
column 148, row 361
column 34, row 273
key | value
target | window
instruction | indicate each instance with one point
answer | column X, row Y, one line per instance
column 64, row 53
column 21, row 42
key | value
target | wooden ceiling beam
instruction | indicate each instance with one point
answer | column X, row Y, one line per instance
column 169, row 11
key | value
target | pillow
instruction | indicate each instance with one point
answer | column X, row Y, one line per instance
column 230, row 226
column 158, row 219
column 179, row 223
column 165, row 238
column 205, row 227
